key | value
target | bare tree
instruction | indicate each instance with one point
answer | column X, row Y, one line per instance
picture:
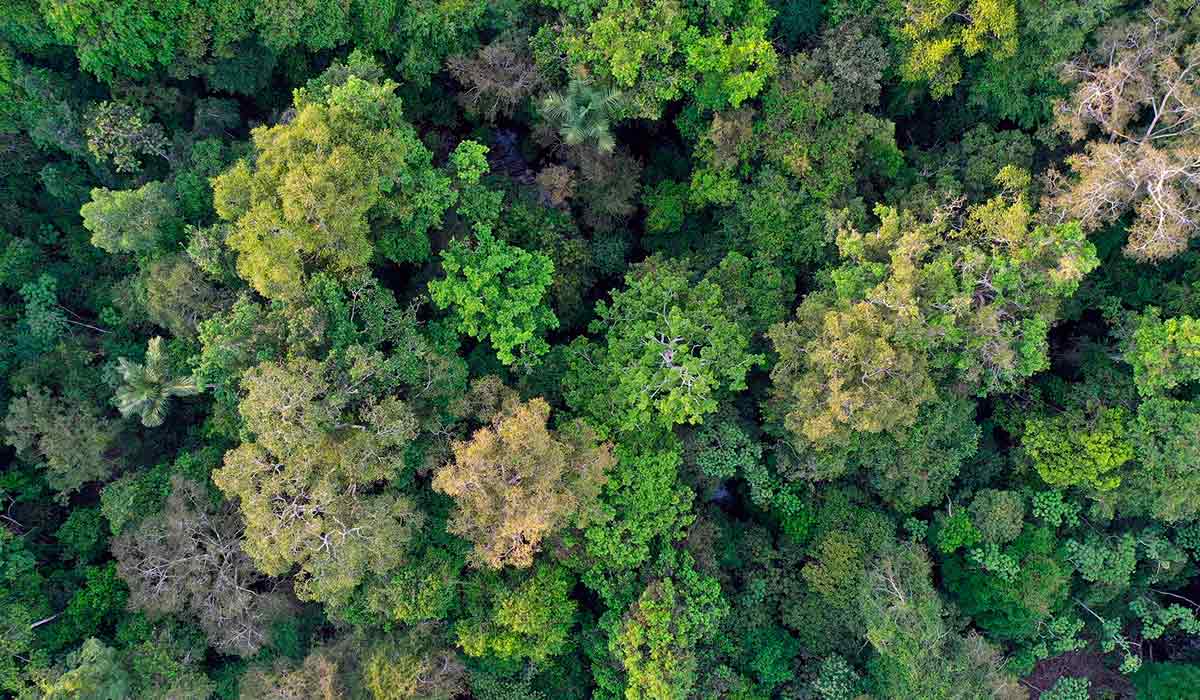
column 1137, row 88
column 497, row 78
column 188, row 560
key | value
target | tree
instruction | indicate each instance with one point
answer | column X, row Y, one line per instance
column 1069, row 689
column 917, row 301
column 920, row 655
column 69, row 438
column 121, row 133
column 23, row 601
column 584, row 113
column 935, row 31
column 643, row 508
column 516, row 482
column 530, row 619
column 45, row 320
column 496, row 291
column 499, row 78
column 1163, row 486
column 916, row 466
column 844, row 370
column 413, row 666
column 1165, row 353
column 310, row 484
column 1137, row 88
column 188, row 560
column 1022, row 601
column 998, row 515
column 178, row 295
column 121, row 39
column 424, row 33
column 284, row 24
column 658, row 50
column 94, row 672
column 782, row 169
column 148, row 387
column 165, row 660
column 346, row 173
column 1023, row 86
column 659, row 639
column 1074, row 449
column 131, row 221
column 319, row 677
column 670, row 350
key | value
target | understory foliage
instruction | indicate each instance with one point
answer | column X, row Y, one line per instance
column 599, row 349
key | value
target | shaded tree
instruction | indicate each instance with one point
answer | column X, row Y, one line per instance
column 71, row 439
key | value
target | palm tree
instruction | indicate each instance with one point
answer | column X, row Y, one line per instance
column 148, row 388
column 584, row 113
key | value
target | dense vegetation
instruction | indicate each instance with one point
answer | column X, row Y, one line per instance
column 567, row 349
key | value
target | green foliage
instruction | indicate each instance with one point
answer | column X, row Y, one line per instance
column 23, row 602
column 121, row 39
column 1164, row 353
column 295, row 409
column 93, row 672
column 368, row 178
column 69, row 439
column 565, row 349
column 906, row 306
column 131, row 221
column 837, row 680
column 45, row 321
column 530, row 621
column 998, row 515
column 658, row 50
column 1166, row 679
column 1070, row 450
column 933, row 41
column 1011, row 591
column 915, row 467
column 1051, row 508
column 643, row 506
column 94, row 606
column 584, row 114
column 919, row 655
column 1108, row 562
column 82, row 534
column 1069, row 689
column 496, row 292
column 671, row 351
column 658, row 639
column 1164, row 444
column 957, row 531
column 121, row 133
column 423, row 591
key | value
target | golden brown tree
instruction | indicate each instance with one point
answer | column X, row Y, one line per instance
column 516, row 482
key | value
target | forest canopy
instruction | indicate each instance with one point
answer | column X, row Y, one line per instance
column 599, row 349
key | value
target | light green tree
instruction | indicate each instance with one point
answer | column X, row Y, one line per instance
column 346, row 173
